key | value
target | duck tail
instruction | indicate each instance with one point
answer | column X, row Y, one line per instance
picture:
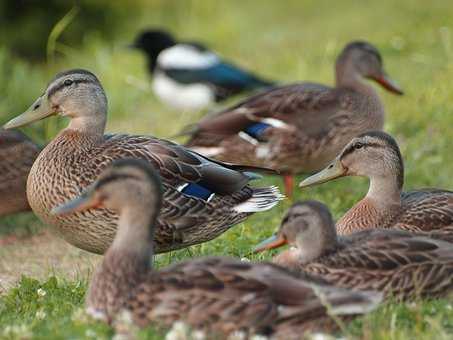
column 262, row 199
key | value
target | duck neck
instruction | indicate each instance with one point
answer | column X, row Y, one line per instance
column 311, row 248
column 346, row 76
column 384, row 192
column 134, row 237
column 92, row 124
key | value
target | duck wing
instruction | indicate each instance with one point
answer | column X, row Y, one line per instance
column 306, row 106
column 427, row 210
column 223, row 295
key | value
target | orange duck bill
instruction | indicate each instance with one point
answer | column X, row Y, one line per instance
column 273, row 242
column 388, row 83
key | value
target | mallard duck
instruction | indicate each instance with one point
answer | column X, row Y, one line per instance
column 377, row 156
column 203, row 198
column 299, row 128
column 215, row 294
column 187, row 76
column 396, row 262
column 17, row 154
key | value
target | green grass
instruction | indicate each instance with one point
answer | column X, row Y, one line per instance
column 284, row 40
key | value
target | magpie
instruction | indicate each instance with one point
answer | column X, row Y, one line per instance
column 188, row 76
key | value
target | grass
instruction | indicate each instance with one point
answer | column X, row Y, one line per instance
column 288, row 41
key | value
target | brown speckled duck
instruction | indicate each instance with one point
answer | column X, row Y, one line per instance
column 17, row 154
column 299, row 128
column 202, row 197
column 213, row 294
column 395, row 262
column 376, row 155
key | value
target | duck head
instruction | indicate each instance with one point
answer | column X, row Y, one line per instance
column 374, row 154
column 308, row 228
column 362, row 59
column 77, row 94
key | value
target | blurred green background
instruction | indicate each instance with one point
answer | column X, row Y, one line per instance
column 284, row 40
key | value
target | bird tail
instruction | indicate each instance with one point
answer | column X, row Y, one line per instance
column 262, row 199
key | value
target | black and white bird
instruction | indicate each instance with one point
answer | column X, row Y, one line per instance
column 188, row 76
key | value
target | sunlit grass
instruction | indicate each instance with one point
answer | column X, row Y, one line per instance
column 283, row 40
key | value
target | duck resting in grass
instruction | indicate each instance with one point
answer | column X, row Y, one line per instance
column 376, row 155
column 398, row 263
column 202, row 197
column 17, row 154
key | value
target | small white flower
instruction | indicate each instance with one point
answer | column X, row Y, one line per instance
column 89, row 333
column 322, row 336
column 237, row 335
column 40, row 314
column 198, row 335
column 41, row 292
column 258, row 337
column 179, row 331
column 245, row 259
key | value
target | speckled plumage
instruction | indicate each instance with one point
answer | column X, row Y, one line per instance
column 386, row 205
column 216, row 295
column 17, row 154
column 316, row 120
column 75, row 158
column 395, row 262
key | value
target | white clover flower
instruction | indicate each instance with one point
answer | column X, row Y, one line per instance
column 40, row 314
column 41, row 292
column 237, row 335
column 89, row 333
column 179, row 331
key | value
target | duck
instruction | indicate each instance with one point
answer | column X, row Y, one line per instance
column 398, row 263
column 188, row 76
column 300, row 127
column 217, row 295
column 202, row 199
column 17, row 154
column 376, row 155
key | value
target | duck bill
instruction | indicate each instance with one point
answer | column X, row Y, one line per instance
column 334, row 170
column 388, row 83
column 275, row 241
column 40, row 109
column 83, row 202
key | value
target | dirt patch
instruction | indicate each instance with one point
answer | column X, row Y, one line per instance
column 41, row 256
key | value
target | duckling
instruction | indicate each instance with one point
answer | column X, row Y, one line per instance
column 203, row 198
column 214, row 294
column 299, row 128
column 396, row 262
column 17, row 154
column 188, row 76
column 376, row 155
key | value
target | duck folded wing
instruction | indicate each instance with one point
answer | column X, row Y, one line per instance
column 385, row 250
column 426, row 210
column 224, row 295
column 309, row 106
column 178, row 165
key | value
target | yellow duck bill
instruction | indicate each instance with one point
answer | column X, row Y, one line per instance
column 275, row 241
column 332, row 171
column 40, row 109
column 81, row 203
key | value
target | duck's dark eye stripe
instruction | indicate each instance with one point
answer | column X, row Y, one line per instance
column 55, row 89
column 354, row 147
column 113, row 178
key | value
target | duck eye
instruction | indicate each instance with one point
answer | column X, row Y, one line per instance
column 68, row 82
column 358, row 146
